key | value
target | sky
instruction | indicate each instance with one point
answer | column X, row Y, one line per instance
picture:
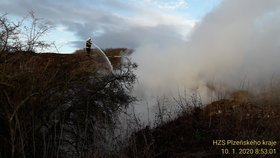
column 113, row 23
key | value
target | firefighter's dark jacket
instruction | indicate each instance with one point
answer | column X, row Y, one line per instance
column 88, row 44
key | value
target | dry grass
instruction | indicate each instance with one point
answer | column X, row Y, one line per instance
column 240, row 116
column 59, row 105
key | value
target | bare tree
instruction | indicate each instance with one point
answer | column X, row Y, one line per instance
column 9, row 32
column 23, row 35
column 34, row 33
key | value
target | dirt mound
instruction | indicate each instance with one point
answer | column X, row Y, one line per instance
column 113, row 54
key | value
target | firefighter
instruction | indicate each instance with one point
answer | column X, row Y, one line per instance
column 88, row 45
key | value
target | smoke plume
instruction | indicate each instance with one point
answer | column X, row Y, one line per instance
column 236, row 42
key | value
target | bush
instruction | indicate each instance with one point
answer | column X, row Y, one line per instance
column 54, row 105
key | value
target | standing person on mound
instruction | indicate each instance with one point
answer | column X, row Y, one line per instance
column 88, row 45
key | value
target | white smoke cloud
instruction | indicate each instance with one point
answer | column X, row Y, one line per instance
column 239, row 40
